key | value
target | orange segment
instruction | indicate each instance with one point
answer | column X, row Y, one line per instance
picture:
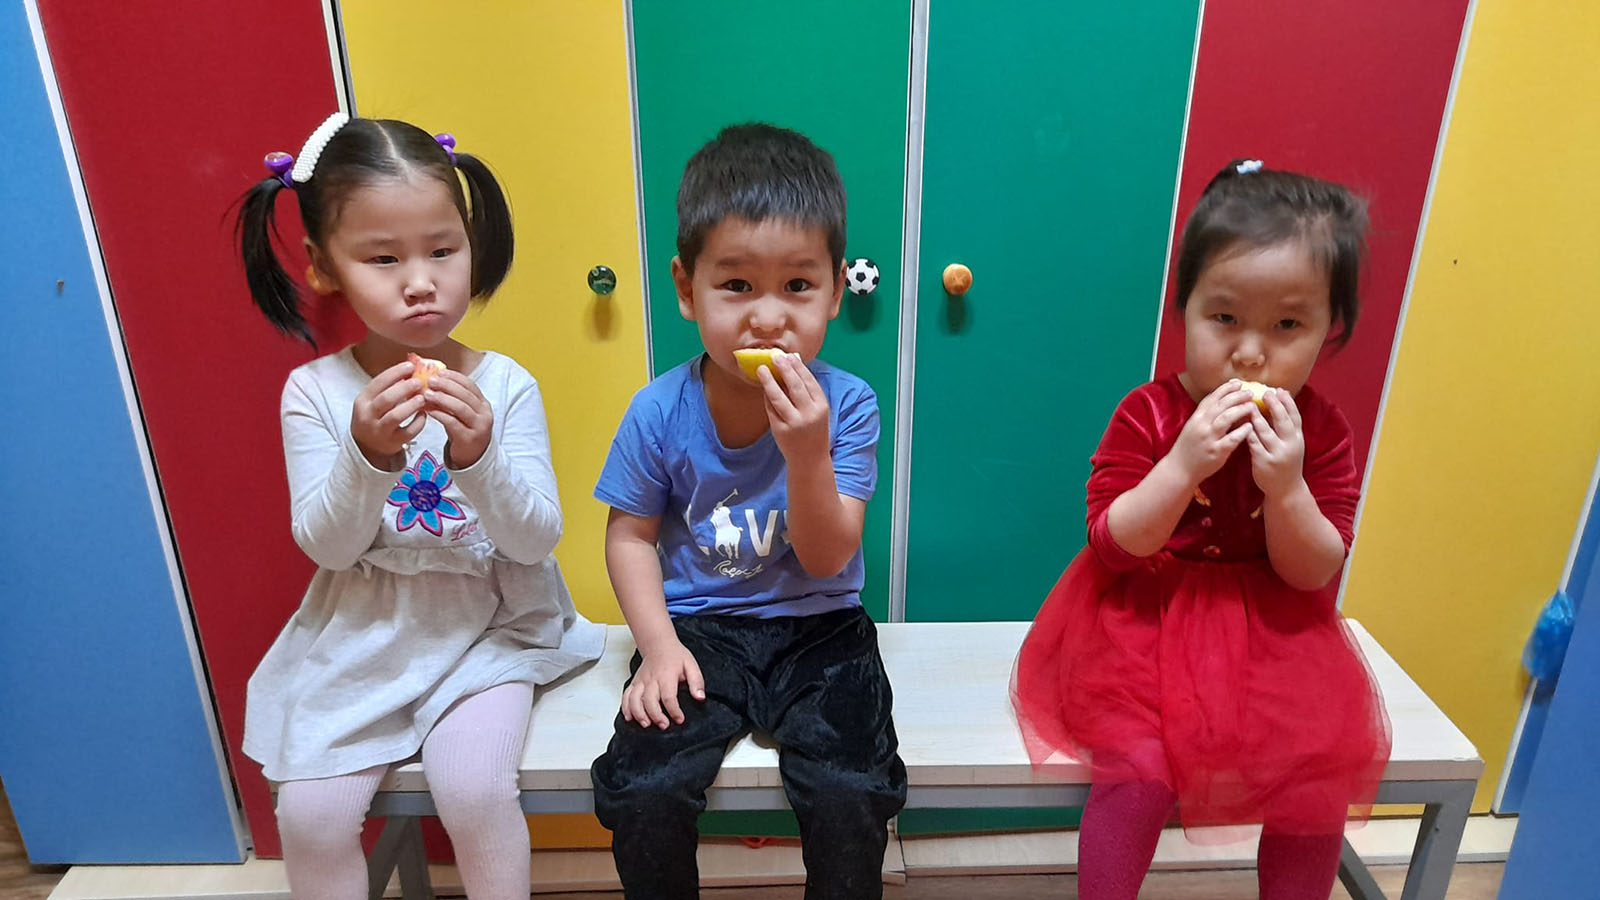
column 752, row 359
column 425, row 368
column 1258, row 393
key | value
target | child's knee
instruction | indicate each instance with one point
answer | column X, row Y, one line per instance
column 472, row 793
column 309, row 826
column 875, row 792
column 658, row 771
column 648, row 805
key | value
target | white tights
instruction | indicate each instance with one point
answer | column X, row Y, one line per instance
column 470, row 759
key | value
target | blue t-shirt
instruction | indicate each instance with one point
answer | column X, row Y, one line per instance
column 723, row 539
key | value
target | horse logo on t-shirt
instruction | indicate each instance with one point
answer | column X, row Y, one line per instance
column 728, row 534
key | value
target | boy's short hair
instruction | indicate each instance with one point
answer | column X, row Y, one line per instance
column 758, row 172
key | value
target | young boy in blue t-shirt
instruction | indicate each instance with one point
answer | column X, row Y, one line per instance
column 734, row 539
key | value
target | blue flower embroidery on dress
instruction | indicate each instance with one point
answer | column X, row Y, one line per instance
column 420, row 495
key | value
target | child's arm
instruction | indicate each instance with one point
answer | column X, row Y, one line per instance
column 635, row 570
column 824, row 524
column 509, row 480
column 1141, row 519
column 339, row 475
column 1304, row 546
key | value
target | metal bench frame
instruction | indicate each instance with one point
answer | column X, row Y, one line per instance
column 1446, row 805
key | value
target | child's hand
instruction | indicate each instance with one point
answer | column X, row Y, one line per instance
column 467, row 417
column 386, row 415
column 797, row 410
column 1278, row 447
column 1219, row 425
column 652, row 695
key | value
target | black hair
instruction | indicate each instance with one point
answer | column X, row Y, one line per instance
column 1262, row 207
column 758, row 172
column 362, row 152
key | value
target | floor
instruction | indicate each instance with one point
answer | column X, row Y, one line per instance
column 1472, row 881
column 18, row 880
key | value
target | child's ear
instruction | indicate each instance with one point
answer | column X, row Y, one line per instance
column 319, row 275
column 683, row 285
column 839, row 279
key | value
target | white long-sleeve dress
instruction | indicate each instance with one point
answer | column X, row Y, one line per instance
column 432, row 585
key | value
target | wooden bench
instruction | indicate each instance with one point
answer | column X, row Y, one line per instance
column 960, row 744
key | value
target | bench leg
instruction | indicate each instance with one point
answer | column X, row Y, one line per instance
column 1433, row 860
column 399, row 846
column 1355, row 876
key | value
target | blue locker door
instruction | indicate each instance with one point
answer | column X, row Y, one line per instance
column 108, row 743
column 1553, row 854
column 1536, row 705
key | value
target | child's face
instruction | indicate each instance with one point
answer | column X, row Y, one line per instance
column 760, row 284
column 1256, row 314
column 401, row 256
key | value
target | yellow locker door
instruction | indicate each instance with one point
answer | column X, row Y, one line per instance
column 539, row 90
column 1488, row 434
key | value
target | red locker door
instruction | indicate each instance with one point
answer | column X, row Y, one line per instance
column 172, row 107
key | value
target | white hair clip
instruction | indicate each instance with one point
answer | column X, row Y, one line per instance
column 1244, row 168
column 306, row 161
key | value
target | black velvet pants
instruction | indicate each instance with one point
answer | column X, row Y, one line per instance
column 817, row 685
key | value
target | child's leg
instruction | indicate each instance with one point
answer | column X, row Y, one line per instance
column 1122, row 821
column 832, row 701
column 471, row 759
column 1297, row 867
column 650, row 784
column 1293, row 860
column 320, row 822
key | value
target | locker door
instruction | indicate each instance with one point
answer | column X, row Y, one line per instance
column 1052, row 145
column 172, row 107
column 834, row 70
column 108, row 739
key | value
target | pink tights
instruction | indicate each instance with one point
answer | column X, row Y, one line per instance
column 471, row 759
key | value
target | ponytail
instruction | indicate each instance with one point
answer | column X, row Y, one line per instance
column 270, row 286
column 492, row 241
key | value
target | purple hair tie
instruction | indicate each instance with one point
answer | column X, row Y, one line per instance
column 448, row 142
column 280, row 163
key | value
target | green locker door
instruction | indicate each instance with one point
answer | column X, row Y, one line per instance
column 835, row 70
column 1051, row 154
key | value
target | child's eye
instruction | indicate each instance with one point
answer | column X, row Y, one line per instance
column 442, row 252
column 1288, row 324
column 1224, row 318
column 737, row 285
column 383, row 260
column 797, row 286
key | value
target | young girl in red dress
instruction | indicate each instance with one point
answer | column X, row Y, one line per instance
column 1192, row 652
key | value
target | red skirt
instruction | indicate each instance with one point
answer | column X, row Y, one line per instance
column 1246, row 697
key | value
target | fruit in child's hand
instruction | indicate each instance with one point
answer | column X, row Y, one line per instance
column 751, row 359
column 424, row 368
column 1258, row 393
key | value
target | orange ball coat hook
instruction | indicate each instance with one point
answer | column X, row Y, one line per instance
column 957, row 279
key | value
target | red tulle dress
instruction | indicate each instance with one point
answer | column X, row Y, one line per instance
column 1198, row 666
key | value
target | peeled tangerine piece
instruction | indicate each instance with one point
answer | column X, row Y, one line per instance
column 425, row 368
column 1258, row 393
column 751, row 359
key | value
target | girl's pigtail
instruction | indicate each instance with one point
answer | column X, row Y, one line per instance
column 492, row 241
column 270, row 286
